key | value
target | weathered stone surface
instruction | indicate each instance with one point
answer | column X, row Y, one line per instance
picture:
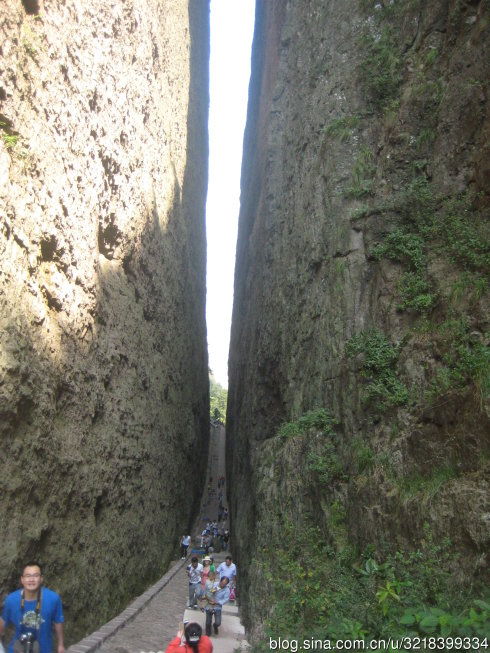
column 363, row 118
column 103, row 366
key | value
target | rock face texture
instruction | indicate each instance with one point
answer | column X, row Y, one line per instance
column 103, row 369
column 361, row 283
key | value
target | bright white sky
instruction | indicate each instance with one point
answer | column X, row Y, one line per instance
column 231, row 43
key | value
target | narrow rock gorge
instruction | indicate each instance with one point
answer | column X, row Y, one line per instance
column 357, row 422
column 104, row 392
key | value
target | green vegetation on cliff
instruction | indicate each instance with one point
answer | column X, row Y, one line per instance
column 362, row 287
column 379, row 358
column 317, row 593
column 313, row 582
column 428, row 227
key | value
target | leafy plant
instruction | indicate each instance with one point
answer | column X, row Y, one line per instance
column 364, row 457
column 408, row 249
column 468, row 285
column 360, row 212
column 9, row 136
column 347, row 629
column 30, row 42
column 426, row 486
column 362, row 179
column 341, row 128
column 464, row 235
column 431, row 57
column 388, row 593
column 326, row 466
column 415, row 292
column 473, row 621
column 426, row 137
column 371, row 568
column 378, row 367
column 379, row 71
column 10, row 140
column 319, row 419
column 404, row 247
column 338, row 514
column 464, row 361
column 428, row 94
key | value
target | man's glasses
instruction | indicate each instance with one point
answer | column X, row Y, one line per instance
column 32, row 576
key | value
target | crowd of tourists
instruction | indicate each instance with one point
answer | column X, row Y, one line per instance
column 210, row 587
column 34, row 611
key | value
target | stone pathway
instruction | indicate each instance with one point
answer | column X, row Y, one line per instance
column 152, row 620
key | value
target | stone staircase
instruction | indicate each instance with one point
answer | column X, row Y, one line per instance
column 151, row 621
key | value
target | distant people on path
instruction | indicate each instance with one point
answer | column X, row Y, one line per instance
column 33, row 611
column 194, row 571
column 225, row 539
column 219, row 595
column 208, row 543
column 222, row 512
column 184, row 545
column 190, row 640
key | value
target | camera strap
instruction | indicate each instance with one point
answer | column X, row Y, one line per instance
column 38, row 606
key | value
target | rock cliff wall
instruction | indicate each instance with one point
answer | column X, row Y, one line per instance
column 103, row 368
column 358, row 397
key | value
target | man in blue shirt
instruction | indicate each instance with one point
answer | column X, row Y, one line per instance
column 34, row 609
column 228, row 569
column 220, row 596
